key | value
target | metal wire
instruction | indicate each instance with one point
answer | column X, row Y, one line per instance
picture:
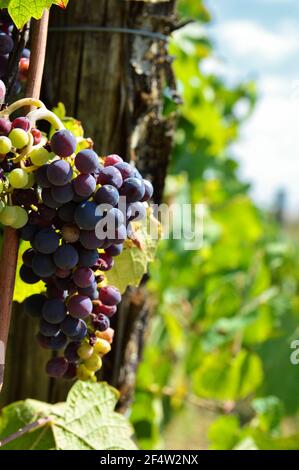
column 95, row 29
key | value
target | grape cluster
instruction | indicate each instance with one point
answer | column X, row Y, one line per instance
column 6, row 48
column 80, row 209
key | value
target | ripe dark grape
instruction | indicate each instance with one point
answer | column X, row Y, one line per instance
column 43, row 265
column 108, row 310
column 28, row 232
column 66, row 257
column 148, row 190
column 62, row 194
column 54, row 292
column 110, row 175
column 71, row 372
column 54, row 311
column 87, row 258
column 82, row 332
column 89, row 240
column 85, row 215
column 33, row 305
column 21, row 123
column 87, row 161
column 91, row 291
column 28, row 257
column 136, row 211
column 109, row 295
column 67, row 211
column 107, row 195
column 83, row 277
column 102, row 322
column 28, row 275
column 63, row 143
column 42, row 178
column 46, row 241
column 126, row 170
column 114, row 250
column 59, row 172
column 48, row 199
column 133, row 189
column 5, row 126
column 70, row 352
column 57, row 367
column 105, row 262
column 84, row 185
column 6, row 44
column 79, row 306
column 48, row 329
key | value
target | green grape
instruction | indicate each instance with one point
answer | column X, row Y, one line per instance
column 18, row 178
column 94, row 363
column 31, row 180
column 2, row 205
column 85, row 351
column 102, row 346
column 19, row 138
column 21, row 218
column 40, row 156
column 5, row 145
column 8, row 215
column 83, row 373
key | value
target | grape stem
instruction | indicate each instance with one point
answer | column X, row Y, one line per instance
column 44, row 114
column 21, row 104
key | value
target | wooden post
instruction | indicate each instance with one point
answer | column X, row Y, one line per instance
column 11, row 240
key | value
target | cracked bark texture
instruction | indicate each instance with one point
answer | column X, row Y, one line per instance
column 114, row 84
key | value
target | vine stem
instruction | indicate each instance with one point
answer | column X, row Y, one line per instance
column 9, row 256
column 28, row 428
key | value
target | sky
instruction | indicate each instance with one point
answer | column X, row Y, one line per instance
column 259, row 39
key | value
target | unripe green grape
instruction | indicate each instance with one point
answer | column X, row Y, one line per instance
column 21, row 218
column 85, row 351
column 31, row 180
column 94, row 363
column 19, row 138
column 5, row 145
column 2, row 205
column 40, row 156
column 8, row 215
column 18, row 178
column 83, row 373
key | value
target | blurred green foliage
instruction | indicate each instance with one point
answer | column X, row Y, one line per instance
column 224, row 315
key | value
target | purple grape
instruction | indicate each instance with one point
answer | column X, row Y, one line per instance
column 82, row 332
column 5, row 126
column 41, row 177
column 59, row 172
column 48, row 329
column 114, row 250
column 28, row 232
column 63, row 143
column 57, row 367
column 112, row 159
column 67, row 211
column 83, row 277
column 136, row 211
column 110, row 295
column 28, row 257
column 79, row 306
column 107, row 195
column 43, row 265
column 26, row 53
column 54, row 292
column 70, row 352
column 48, row 199
column 54, row 311
column 87, row 258
column 91, row 291
column 33, row 305
column 21, row 123
column 101, row 322
column 6, row 44
column 46, row 212
column 148, row 191
column 66, row 257
column 110, row 175
column 105, row 262
column 62, row 194
column 125, row 169
column 28, row 275
column 52, row 342
column 120, row 235
column 71, row 372
column 89, row 240
column 84, row 185
column 87, row 162
column 46, row 241
column 133, row 189
column 85, row 215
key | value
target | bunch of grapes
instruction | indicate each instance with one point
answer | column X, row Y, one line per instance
column 77, row 212
column 6, row 49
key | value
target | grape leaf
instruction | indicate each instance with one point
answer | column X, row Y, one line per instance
column 4, row 3
column 61, row 3
column 22, row 10
column 132, row 263
column 86, row 421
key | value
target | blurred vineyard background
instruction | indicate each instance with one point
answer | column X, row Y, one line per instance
column 216, row 370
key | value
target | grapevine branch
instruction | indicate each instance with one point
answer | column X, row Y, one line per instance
column 10, row 245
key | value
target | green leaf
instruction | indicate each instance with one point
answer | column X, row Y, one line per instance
column 4, row 3
column 23, row 290
column 22, row 10
column 133, row 262
column 86, row 421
